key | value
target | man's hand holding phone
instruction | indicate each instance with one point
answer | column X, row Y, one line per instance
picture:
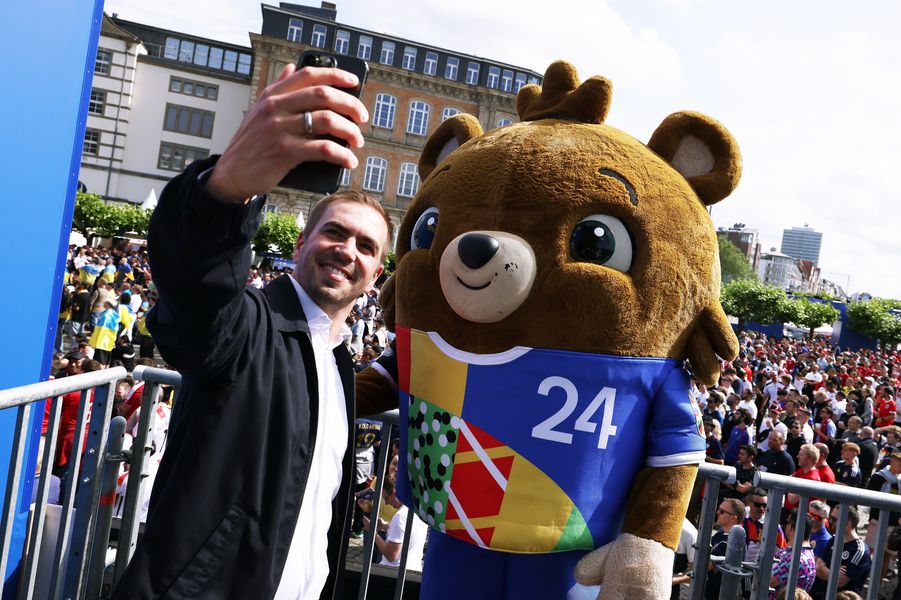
column 276, row 134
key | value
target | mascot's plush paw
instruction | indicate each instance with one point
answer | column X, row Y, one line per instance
column 629, row 568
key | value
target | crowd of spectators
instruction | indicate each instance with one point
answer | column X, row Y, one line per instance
column 806, row 409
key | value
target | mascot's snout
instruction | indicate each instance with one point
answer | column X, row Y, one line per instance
column 486, row 275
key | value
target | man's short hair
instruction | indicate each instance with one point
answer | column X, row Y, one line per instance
column 350, row 196
column 736, row 507
column 811, row 451
column 749, row 450
column 852, row 447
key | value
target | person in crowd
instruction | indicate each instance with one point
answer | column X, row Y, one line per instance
column 776, row 459
column 756, row 502
column 744, row 474
column 826, row 473
column 869, row 454
column 794, row 439
column 885, row 479
column 847, row 470
column 714, row 451
column 808, row 457
column 770, row 422
column 855, row 561
column 739, row 435
column 391, row 545
column 891, row 442
column 818, row 512
column 807, row 568
column 684, row 558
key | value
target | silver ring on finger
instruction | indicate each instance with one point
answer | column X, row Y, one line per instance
column 308, row 122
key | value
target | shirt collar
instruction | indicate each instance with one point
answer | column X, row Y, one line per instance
column 318, row 321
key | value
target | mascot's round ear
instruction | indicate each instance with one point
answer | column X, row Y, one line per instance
column 702, row 150
column 451, row 134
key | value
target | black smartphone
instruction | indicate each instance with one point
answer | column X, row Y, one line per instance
column 323, row 177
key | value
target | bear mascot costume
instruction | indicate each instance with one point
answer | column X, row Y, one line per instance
column 552, row 278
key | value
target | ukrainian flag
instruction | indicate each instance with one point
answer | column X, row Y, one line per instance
column 126, row 317
column 88, row 273
column 106, row 331
column 109, row 273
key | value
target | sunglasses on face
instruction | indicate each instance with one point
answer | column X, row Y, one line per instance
column 725, row 512
column 759, row 504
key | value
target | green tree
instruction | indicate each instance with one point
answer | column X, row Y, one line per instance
column 873, row 318
column 93, row 217
column 751, row 300
column 810, row 314
column 733, row 264
column 278, row 230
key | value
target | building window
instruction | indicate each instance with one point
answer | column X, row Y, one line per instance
column 431, row 63
column 409, row 62
column 318, row 38
column 103, row 61
column 387, row 56
column 186, row 51
column 201, row 54
column 408, row 182
column 453, row 65
column 385, row 108
column 374, row 176
column 504, row 122
column 418, row 121
column 215, row 58
column 533, row 79
column 271, row 209
column 174, row 157
column 97, row 103
column 91, row 145
column 188, row 87
column 520, row 82
column 345, row 177
column 448, row 112
column 171, row 51
column 342, row 42
column 230, row 62
column 472, row 73
column 507, row 81
column 244, row 64
column 364, row 47
column 494, row 76
column 191, row 121
column 295, row 30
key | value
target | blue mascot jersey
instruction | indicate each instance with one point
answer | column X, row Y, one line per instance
column 531, row 450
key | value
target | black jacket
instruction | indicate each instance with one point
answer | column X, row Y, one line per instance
column 227, row 496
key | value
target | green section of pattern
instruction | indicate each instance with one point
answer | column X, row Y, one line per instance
column 575, row 535
column 431, row 449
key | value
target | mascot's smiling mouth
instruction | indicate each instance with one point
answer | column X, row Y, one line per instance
column 474, row 287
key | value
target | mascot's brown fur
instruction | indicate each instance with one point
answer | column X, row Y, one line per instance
column 535, row 182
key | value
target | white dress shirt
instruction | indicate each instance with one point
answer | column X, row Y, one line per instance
column 306, row 568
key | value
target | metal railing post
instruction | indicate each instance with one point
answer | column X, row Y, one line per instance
column 838, row 543
column 39, row 512
column 732, row 568
column 761, row 583
column 88, row 491
column 714, row 474
column 13, row 477
column 882, row 525
column 111, row 462
column 797, row 540
column 137, row 478
column 369, row 536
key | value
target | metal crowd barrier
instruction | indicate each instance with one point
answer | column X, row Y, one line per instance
column 777, row 487
column 79, row 497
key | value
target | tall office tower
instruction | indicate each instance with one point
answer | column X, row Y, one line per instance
column 803, row 243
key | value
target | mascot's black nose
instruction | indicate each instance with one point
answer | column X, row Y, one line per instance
column 476, row 249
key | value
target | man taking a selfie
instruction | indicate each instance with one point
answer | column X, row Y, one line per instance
column 252, row 494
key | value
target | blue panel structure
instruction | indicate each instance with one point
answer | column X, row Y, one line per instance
column 50, row 47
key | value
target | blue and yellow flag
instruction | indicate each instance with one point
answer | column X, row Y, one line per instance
column 106, row 331
column 109, row 273
column 88, row 273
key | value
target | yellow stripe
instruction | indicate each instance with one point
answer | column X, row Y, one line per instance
column 471, row 456
column 434, row 376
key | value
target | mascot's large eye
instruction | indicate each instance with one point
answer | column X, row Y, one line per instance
column 424, row 229
column 603, row 240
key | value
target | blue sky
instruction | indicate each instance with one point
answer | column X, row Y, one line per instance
column 811, row 90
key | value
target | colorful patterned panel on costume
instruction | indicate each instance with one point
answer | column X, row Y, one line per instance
column 492, row 440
